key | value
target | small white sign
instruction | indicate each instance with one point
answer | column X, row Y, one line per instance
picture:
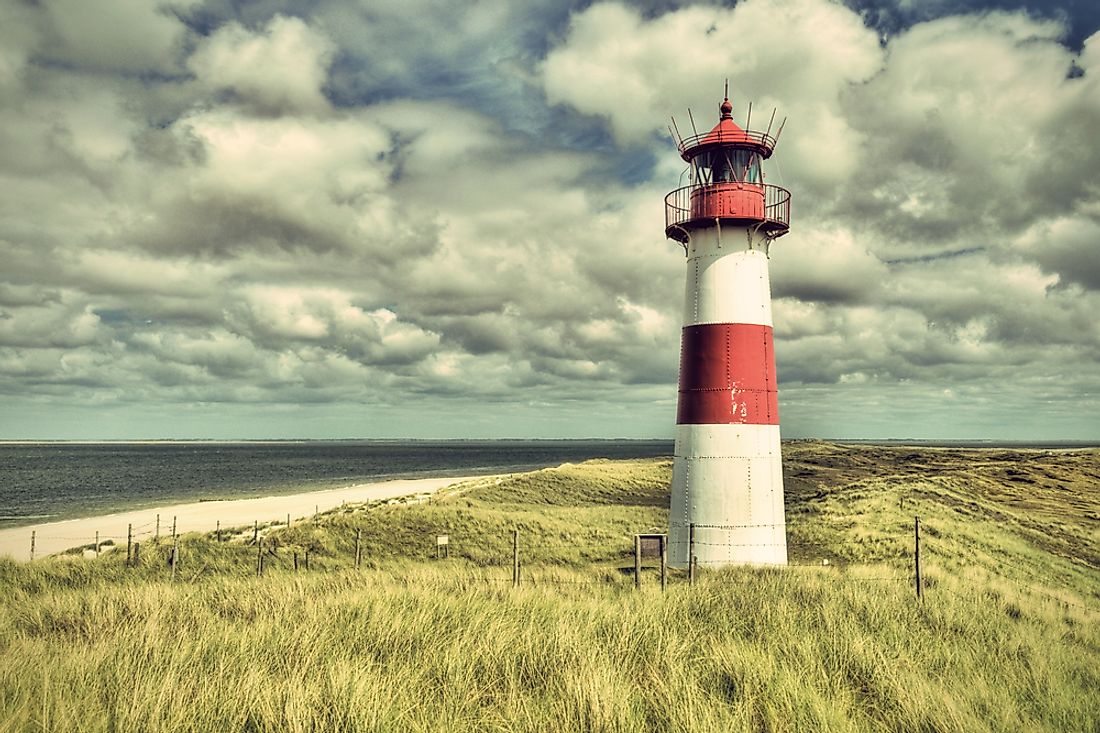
column 442, row 539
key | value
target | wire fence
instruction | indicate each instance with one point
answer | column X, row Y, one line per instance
column 534, row 561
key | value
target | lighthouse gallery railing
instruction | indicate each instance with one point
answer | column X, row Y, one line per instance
column 688, row 204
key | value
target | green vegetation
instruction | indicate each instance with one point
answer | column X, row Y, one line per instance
column 1006, row 638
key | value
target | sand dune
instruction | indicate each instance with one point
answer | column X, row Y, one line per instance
column 202, row 516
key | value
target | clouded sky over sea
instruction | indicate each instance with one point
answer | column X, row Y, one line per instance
column 445, row 219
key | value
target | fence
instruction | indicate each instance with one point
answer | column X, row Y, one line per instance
column 492, row 554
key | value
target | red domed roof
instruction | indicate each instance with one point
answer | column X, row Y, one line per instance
column 727, row 133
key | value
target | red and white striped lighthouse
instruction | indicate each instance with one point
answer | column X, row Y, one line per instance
column 727, row 479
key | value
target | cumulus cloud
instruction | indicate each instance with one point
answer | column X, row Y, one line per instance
column 112, row 35
column 281, row 68
column 370, row 210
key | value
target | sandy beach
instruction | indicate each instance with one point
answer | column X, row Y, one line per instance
column 204, row 516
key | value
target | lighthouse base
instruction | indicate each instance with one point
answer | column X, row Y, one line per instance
column 727, row 480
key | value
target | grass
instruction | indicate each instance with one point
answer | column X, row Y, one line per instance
column 1006, row 639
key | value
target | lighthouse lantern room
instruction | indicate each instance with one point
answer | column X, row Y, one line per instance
column 727, row 484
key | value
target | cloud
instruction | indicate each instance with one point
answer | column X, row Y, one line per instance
column 129, row 36
column 798, row 54
column 370, row 210
column 281, row 68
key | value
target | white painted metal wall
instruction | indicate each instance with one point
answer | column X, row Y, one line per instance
column 727, row 479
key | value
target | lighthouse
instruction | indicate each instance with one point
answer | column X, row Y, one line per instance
column 727, row 478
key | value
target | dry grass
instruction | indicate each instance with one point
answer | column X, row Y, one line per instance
column 1006, row 640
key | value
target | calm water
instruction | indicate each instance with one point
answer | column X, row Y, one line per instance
column 50, row 481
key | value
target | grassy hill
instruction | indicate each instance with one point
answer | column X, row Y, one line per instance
column 1006, row 639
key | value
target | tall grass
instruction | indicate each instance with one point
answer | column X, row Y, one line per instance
column 414, row 644
column 424, row 649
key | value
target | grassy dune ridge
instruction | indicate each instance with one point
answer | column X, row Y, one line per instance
column 1007, row 638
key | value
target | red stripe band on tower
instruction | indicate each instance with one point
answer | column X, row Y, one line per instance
column 727, row 375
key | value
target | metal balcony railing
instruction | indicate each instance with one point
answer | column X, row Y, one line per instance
column 752, row 137
column 699, row 205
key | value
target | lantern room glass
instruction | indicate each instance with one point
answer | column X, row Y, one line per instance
column 727, row 165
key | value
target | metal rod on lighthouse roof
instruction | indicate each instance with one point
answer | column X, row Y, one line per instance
column 770, row 121
column 780, row 130
column 748, row 120
column 692, row 120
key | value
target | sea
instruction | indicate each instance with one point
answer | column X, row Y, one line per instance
column 48, row 481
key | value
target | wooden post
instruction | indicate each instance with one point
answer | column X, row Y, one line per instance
column 137, row 548
column 295, row 561
column 173, row 529
column 315, row 512
column 156, row 536
column 515, row 558
column 307, row 558
column 129, row 543
column 259, row 559
column 916, row 556
column 358, row 547
column 175, row 554
column 97, row 543
column 32, row 544
column 637, row 562
column 218, row 532
column 255, row 531
column 691, row 554
column 288, row 519
column 664, row 562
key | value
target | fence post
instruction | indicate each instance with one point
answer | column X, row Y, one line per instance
column 295, row 561
column 916, row 557
column 255, row 530
column 175, row 553
column 358, row 548
column 129, row 543
column 97, row 543
column 137, row 549
column 307, row 558
column 664, row 561
column 173, row 529
column 515, row 558
column 32, row 544
column 288, row 520
column 156, row 535
column 259, row 559
column 637, row 562
column 218, row 532
column 315, row 512
column 691, row 554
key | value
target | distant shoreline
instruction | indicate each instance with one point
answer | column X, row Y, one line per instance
column 1001, row 444
column 203, row 516
column 68, row 480
column 236, row 493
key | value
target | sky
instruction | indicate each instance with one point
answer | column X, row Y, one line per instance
column 259, row 219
